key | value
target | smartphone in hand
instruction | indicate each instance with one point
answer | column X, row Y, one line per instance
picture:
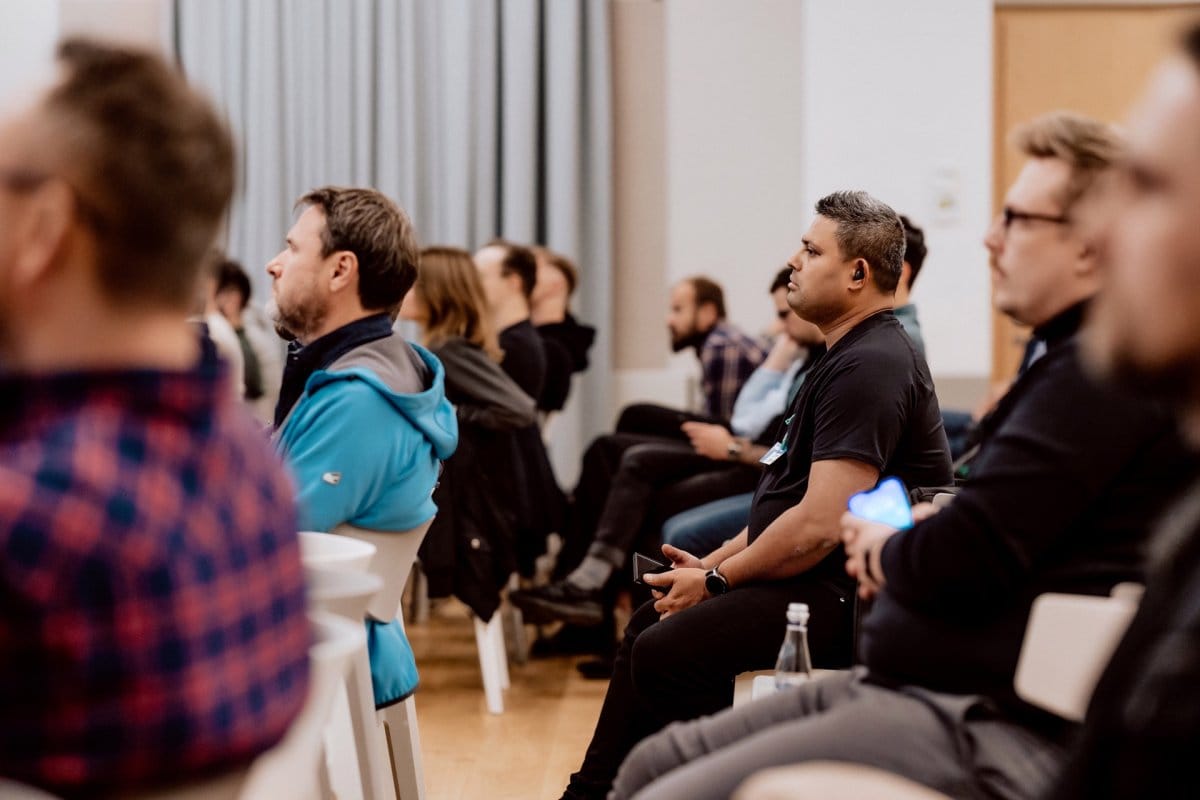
column 643, row 566
column 886, row 503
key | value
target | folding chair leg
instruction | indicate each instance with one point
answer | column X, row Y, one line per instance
column 496, row 631
column 404, row 744
column 488, row 665
column 369, row 740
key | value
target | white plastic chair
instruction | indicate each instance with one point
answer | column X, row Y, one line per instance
column 318, row 549
column 1068, row 642
column 292, row 768
column 388, row 740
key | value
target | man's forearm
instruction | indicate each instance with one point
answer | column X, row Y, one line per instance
column 795, row 542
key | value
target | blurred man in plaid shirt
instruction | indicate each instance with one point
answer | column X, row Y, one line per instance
column 152, row 620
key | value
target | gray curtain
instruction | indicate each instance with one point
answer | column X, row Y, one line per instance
column 482, row 118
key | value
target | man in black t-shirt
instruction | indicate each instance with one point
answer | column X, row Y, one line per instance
column 867, row 409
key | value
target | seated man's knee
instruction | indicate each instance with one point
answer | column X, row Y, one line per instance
column 657, row 660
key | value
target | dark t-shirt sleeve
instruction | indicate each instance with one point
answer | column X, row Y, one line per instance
column 862, row 413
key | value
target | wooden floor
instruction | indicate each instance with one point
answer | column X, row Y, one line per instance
column 528, row 752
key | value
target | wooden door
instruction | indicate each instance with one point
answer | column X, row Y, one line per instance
column 1091, row 59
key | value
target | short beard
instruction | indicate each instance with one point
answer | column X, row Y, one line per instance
column 1177, row 384
column 694, row 339
column 296, row 322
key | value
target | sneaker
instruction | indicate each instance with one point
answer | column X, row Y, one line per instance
column 563, row 601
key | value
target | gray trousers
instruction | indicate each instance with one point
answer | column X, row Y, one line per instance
column 959, row 745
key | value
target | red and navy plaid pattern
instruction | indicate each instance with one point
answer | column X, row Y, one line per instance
column 152, row 612
column 726, row 360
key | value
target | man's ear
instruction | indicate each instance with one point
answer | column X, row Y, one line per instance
column 706, row 316
column 1086, row 262
column 345, row 272
column 860, row 274
column 43, row 232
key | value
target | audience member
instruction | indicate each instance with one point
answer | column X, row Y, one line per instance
column 914, row 258
column 866, row 409
column 473, row 497
column 153, row 627
column 1140, row 734
column 508, row 273
column 362, row 419
column 259, row 346
column 647, row 467
column 1058, row 498
column 208, row 318
column 566, row 341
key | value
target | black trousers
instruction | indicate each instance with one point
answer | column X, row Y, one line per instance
column 683, row 667
column 646, row 469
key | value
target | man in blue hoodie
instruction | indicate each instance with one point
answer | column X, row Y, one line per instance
column 362, row 417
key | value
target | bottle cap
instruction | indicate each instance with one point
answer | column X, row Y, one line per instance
column 797, row 613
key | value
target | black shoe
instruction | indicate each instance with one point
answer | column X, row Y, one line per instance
column 573, row 640
column 563, row 601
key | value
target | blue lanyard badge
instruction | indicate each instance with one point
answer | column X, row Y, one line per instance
column 780, row 447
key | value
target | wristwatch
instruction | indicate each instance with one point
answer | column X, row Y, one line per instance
column 715, row 583
column 734, row 450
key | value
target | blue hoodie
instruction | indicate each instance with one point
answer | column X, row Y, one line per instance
column 364, row 442
column 366, row 438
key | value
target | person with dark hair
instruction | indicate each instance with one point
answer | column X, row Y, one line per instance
column 914, row 258
column 362, row 419
column 566, row 341
column 1068, row 473
column 866, row 409
column 727, row 356
column 1139, row 736
column 232, row 295
column 508, row 273
column 153, row 625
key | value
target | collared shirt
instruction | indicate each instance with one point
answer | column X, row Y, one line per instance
column 727, row 358
column 303, row 361
column 152, row 613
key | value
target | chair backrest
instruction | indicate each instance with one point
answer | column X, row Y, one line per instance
column 319, row 549
column 1068, row 642
column 339, row 591
column 290, row 768
column 396, row 553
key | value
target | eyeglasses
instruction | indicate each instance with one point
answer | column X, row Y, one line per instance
column 1010, row 215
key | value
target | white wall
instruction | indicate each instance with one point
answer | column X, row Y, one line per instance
column 769, row 104
column 897, row 100
column 28, row 31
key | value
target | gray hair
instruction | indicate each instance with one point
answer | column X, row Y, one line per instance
column 868, row 229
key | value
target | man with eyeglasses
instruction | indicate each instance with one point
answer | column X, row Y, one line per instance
column 1068, row 473
column 153, row 627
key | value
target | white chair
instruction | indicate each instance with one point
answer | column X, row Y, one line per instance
column 388, row 739
column 292, row 768
column 321, row 550
column 1068, row 642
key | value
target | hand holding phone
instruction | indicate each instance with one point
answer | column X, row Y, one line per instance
column 643, row 566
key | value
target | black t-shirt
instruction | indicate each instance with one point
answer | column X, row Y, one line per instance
column 868, row 399
column 524, row 357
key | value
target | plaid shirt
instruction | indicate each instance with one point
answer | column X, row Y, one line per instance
column 726, row 360
column 152, row 611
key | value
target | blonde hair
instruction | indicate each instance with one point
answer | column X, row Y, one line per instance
column 453, row 295
column 1088, row 146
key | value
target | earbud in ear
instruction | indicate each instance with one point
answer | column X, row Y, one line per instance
column 859, row 274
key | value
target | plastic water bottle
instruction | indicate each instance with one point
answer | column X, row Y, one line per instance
column 794, row 665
